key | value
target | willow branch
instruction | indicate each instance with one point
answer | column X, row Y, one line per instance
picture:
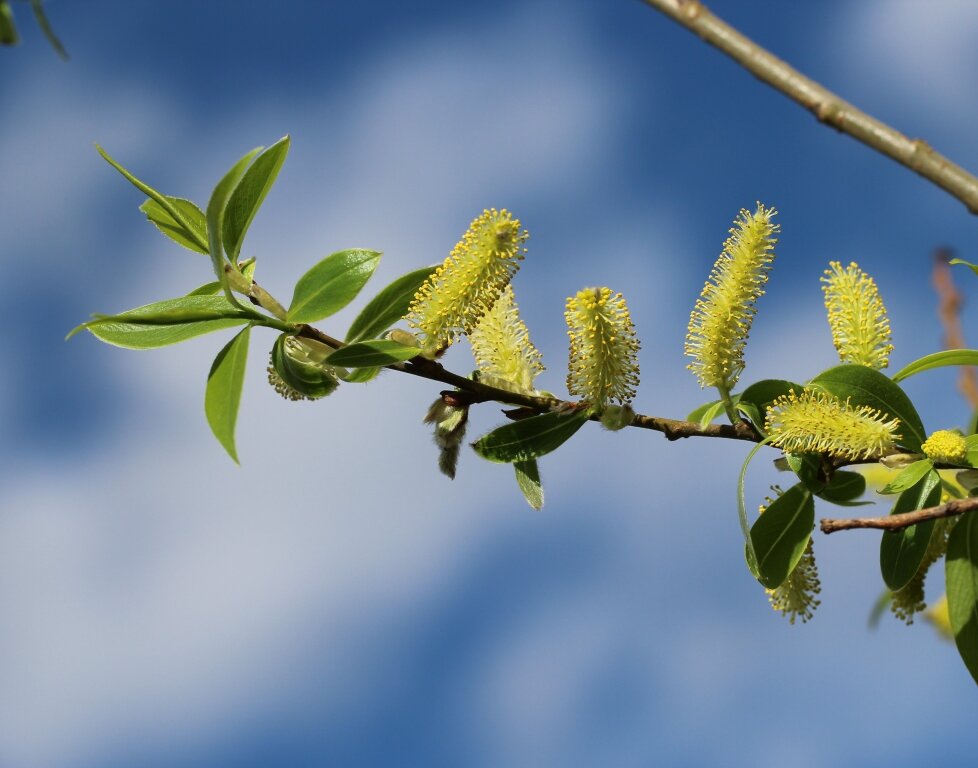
column 903, row 520
column 828, row 107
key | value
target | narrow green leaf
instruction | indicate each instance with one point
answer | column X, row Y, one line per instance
column 706, row 413
column 781, row 534
column 167, row 322
column 968, row 264
column 223, row 395
column 162, row 200
column 844, row 488
column 909, row 476
column 757, row 398
column 195, row 239
column 749, row 552
column 528, row 479
column 388, row 306
column 8, row 30
column 215, row 218
column 901, row 552
column 47, row 30
column 361, row 375
column 369, row 354
column 332, row 284
column 529, row 438
column 938, row 360
column 865, row 386
column 249, row 194
column 961, row 573
column 207, row 289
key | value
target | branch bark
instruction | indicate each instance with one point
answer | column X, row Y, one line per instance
column 828, row 107
column 903, row 520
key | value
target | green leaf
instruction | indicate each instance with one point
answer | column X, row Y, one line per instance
column 332, row 284
column 706, row 413
column 164, row 201
column 961, row 573
column 361, row 375
column 529, row 438
column 528, row 479
column 844, row 488
column 223, row 394
column 249, row 194
column 207, row 289
column 938, row 360
column 215, row 218
column 368, row 354
column 167, row 322
column 865, row 386
column 388, row 306
column 8, row 30
column 972, row 267
column 742, row 510
column 757, row 398
column 901, row 552
column 195, row 238
column 781, row 534
column 46, row 29
column 808, row 467
column 909, row 476
column 301, row 372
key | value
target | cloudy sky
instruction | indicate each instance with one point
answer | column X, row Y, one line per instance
column 336, row 601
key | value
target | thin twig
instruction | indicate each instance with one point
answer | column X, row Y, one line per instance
column 828, row 107
column 902, row 520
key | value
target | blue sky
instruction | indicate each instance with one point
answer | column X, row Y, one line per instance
column 337, row 601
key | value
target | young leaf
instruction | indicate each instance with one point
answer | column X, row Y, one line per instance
column 368, row 354
column 865, row 386
column 215, row 217
column 388, row 306
column 961, row 573
column 751, row 555
column 909, row 476
column 249, row 194
column 8, row 30
column 901, row 552
column 223, row 394
column 528, row 479
column 207, row 289
column 360, row 375
column 167, row 322
column 706, row 413
column 195, row 238
column 529, row 438
column 47, row 30
column 938, row 360
column 781, row 534
column 844, row 488
column 332, row 284
column 164, row 201
column 753, row 402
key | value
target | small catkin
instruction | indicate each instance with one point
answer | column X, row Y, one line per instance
column 857, row 317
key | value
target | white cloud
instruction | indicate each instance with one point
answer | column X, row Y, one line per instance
column 153, row 588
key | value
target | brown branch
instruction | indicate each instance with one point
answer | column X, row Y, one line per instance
column 902, row 520
column 949, row 303
column 829, row 108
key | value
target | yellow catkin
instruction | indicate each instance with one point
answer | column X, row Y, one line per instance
column 946, row 447
column 502, row 348
column 857, row 317
column 450, row 303
column 797, row 597
column 817, row 422
column 603, row 360
column 721, row 319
